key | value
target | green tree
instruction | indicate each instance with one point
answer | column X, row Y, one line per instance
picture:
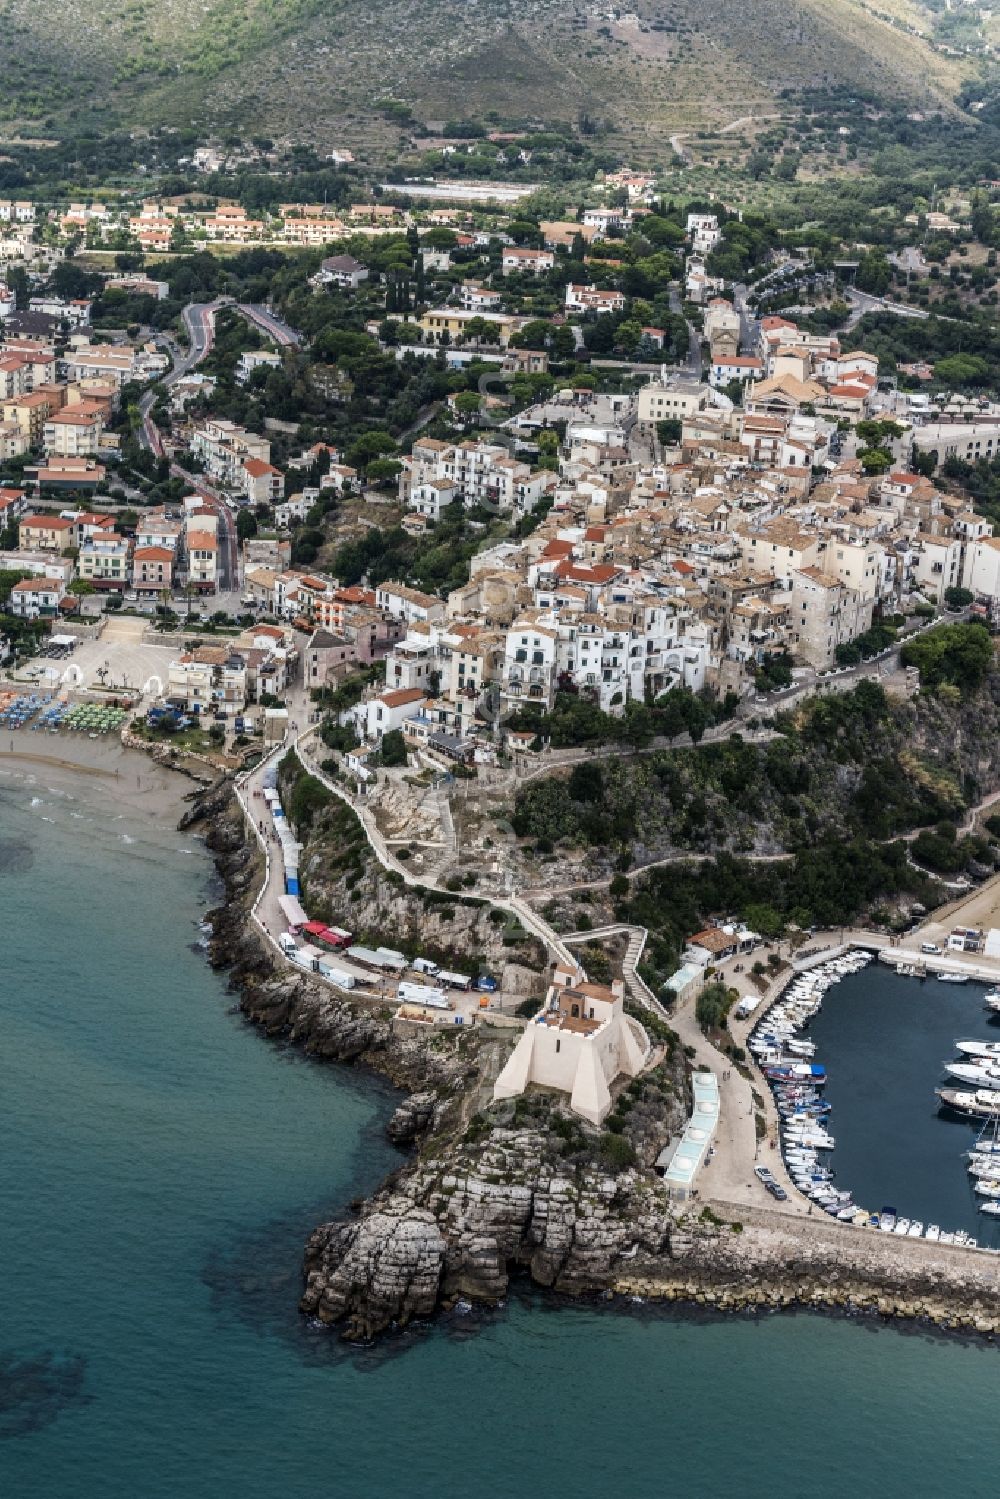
column 246, row 524
column 670, row 431
column 392, row 749
column 961, row 654
column 467, row 402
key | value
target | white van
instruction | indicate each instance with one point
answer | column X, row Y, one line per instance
column 929, row 947
column 424, row 965
column 287, row 943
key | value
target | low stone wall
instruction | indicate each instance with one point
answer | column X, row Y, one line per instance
column 82, row 629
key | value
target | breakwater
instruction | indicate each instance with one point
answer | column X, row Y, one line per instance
column 739, row 1257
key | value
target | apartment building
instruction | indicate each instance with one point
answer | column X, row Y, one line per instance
column 224, row 448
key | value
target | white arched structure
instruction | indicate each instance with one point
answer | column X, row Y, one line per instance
column 72, row 676
column 153, row 687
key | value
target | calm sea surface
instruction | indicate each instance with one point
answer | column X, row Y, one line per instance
column 161, row 1164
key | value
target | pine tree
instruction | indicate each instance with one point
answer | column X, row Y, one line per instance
column 391, row 304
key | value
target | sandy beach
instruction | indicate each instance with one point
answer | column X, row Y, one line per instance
column 127, row 778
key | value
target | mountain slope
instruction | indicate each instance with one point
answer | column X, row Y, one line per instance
column 315, row 68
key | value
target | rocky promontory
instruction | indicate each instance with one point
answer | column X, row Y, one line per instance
column 525, row 1188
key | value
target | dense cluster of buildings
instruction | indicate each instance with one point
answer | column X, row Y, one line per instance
column 61, row 406
column 169, row 550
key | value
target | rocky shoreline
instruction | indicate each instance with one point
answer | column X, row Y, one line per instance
column 491, row 1190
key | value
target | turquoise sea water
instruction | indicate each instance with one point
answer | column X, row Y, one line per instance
column 160, row 1167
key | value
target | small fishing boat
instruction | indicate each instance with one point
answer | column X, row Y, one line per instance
column 953, row 978
column 993, row 1208
column 933, row 1233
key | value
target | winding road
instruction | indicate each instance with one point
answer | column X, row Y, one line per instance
column 199, row 320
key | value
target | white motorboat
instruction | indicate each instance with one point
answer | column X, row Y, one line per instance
column 990, row 1207
column 985, row 1147
column 933, row 1233
column 985, row 1167
column 987, row 1188
column 974, row 1074
column 953, row 978
column 916, row 1230
column 902, row 1228
column 979, row 1048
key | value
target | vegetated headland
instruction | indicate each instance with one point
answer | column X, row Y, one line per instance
column 491, row 1190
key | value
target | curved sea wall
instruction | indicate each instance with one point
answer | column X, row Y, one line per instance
column 524, row 1187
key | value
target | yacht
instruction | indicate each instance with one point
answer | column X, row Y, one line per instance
column 979, row 1048
column 987, row 1189
column 993, row 1208
column 984, row 1103
column 974, row 1074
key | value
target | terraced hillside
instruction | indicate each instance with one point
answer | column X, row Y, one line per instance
column 317, row 66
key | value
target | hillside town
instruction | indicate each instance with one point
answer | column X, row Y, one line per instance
column 762, row 508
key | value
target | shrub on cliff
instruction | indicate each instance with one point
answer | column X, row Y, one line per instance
column 616, row 1152
column 308, row 798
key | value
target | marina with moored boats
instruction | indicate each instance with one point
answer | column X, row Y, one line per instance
column 788, row 1059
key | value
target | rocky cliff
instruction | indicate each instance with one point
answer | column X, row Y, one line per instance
column 465, row 1216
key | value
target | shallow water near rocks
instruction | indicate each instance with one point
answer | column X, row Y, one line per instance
column 161, row 1167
